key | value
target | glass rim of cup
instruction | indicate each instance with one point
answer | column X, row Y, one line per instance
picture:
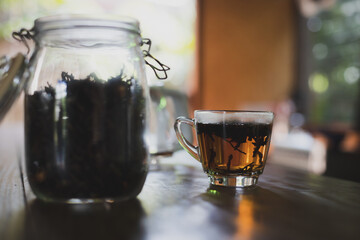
column 242, row 116
column 235, row 111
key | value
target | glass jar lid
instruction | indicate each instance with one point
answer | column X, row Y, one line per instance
column 56, row 22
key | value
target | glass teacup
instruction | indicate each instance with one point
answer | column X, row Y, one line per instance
column 232, row 145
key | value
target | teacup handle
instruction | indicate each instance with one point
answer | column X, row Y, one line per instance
column 191, row 149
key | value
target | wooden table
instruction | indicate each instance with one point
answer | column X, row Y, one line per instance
column 177, row 202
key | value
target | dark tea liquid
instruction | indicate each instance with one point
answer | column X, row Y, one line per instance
column 233, row 148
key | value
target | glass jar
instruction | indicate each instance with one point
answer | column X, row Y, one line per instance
column 86, row 110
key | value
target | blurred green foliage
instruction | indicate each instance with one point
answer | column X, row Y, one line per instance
column 334, row 81
column 15, row 14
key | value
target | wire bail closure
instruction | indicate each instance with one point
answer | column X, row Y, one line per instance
column 146, row 53
column 25, row 34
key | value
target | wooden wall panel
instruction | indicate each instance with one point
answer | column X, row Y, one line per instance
column 246, row 53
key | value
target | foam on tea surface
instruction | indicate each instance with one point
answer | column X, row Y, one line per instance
column 236, row 116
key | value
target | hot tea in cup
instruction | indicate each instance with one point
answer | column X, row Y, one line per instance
column 233, row 145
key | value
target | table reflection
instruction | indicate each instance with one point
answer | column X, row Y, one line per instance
column 84, row 221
